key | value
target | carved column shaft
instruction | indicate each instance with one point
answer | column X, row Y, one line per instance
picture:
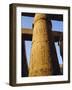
column 41, row 61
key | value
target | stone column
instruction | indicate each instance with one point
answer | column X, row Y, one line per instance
column 24, row 68
column 41, row 61
column 61, row 46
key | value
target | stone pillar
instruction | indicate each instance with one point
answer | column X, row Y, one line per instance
column 41, row 61
column 24, row 68
column 61, row 46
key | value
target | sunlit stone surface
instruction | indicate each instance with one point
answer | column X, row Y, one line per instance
column 41, row 60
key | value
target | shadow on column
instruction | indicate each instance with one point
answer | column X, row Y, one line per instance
column 55, row 64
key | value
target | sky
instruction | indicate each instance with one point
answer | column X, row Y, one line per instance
column 26, row 22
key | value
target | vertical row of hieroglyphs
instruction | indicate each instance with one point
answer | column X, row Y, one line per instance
column 43, row 60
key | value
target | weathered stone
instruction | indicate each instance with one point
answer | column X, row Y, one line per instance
column 41, row 63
